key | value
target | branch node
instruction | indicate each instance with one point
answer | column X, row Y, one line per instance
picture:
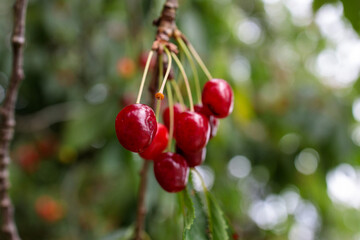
column 18, row 40
column 7, row 112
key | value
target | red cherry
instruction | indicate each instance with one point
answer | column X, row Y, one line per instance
column 218, row 96
column 136, row 127
column 193, row 159
column 158, row 144
column 214, row 122
column 199, row 108
column 178, row 108
column 47, row 146
column 192, row 131
column 171, row 171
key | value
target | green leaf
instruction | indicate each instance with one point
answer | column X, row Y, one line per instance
column 188, row 210
column 195, row 220
column 217, row 222
column 352, row 13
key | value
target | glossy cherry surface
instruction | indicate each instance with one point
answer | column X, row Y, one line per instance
column 171, row 171
column 218, row 97
column 178, row 108
column 193, row 159
column 158, row 145
column 213, row 121
column 136, row 127
column 192, row 131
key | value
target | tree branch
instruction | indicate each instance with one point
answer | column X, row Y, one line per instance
column 141, row 210
column 7, row 113
column 166, row 28
column 166, row 22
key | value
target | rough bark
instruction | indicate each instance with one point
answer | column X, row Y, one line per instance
column 7, row 114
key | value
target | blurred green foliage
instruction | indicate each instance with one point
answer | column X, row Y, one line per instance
column 351, row 10
column 274, row 164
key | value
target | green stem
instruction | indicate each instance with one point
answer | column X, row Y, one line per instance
column 158, row 102
column 157, row 111
column 167, row 70
column 144, row 76
column 178, row 92
column 200, row 62
column 161, row 70
column 185, row 80
column 203, row 185
column 193, row 67
column 171, row 113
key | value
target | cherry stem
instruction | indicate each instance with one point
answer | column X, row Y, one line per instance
column 161, row 68
column 185, row 80
column 193, row 67
column 171, row 113
column 161, row 91
column 199, row 61
column 144, row 76
column 203, row 185
column 158, row 102
column 157, row 111
column 178, row 92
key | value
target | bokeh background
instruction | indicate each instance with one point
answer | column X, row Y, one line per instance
column 285, row 165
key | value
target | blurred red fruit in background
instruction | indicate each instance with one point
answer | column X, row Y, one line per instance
column 49, row 209
column 143, row 58
column 28, row 157
column 126, row 67
column 47, row 146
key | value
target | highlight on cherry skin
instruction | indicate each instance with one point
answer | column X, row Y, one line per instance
column 218, row 97
column 192, row 131
column 158, row 145
column 171, row 171
column 136, row 127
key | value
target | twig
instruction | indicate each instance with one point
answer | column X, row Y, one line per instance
column 165, row 30
column 166, row 22
column 7, row 113
column 141, row 210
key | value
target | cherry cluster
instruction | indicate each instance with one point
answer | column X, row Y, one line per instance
column 138, row 131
